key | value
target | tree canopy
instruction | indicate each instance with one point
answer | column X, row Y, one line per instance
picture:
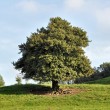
column 55, row 53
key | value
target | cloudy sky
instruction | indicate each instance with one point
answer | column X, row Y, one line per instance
column 18, row 18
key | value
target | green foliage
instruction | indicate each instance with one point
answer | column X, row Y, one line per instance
column 104, row 69
column 2, row 83
column 55, row 53
column 100, row 72
column 94, row 97
column 18, row 79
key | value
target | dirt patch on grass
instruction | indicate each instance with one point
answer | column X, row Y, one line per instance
column 66, row 91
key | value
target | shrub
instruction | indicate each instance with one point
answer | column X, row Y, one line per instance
column 2, row 83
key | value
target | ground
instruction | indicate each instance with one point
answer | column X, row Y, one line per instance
column 80, row 97
column 64, row 91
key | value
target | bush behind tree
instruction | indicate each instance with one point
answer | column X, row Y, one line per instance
column 100, row 72
column 18, row 80
column 2, row 83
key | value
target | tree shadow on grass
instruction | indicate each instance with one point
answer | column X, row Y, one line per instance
column 37, row 90
column 25, row 89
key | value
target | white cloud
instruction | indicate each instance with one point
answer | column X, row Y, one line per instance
column 107, row 49
column 98, row 55
column 33, row 7
column 29, row 6
column 103, row 17
column 74, row 4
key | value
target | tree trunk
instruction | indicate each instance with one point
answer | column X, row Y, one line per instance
column 55, row 86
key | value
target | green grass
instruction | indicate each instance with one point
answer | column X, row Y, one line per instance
column 18, row 97
column 101, row 81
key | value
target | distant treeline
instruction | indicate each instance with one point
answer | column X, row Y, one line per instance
column 100, row 72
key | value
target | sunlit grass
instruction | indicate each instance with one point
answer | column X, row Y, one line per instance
column 94, row 97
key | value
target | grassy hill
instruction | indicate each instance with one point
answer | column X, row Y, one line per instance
column 101, row 81
column 19, row 97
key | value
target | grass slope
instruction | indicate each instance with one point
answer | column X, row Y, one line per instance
column 95, row 97
column 101, row 81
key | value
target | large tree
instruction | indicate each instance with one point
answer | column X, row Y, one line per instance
column 55, row 53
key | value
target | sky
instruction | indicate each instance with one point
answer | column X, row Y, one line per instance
column 19, row 18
